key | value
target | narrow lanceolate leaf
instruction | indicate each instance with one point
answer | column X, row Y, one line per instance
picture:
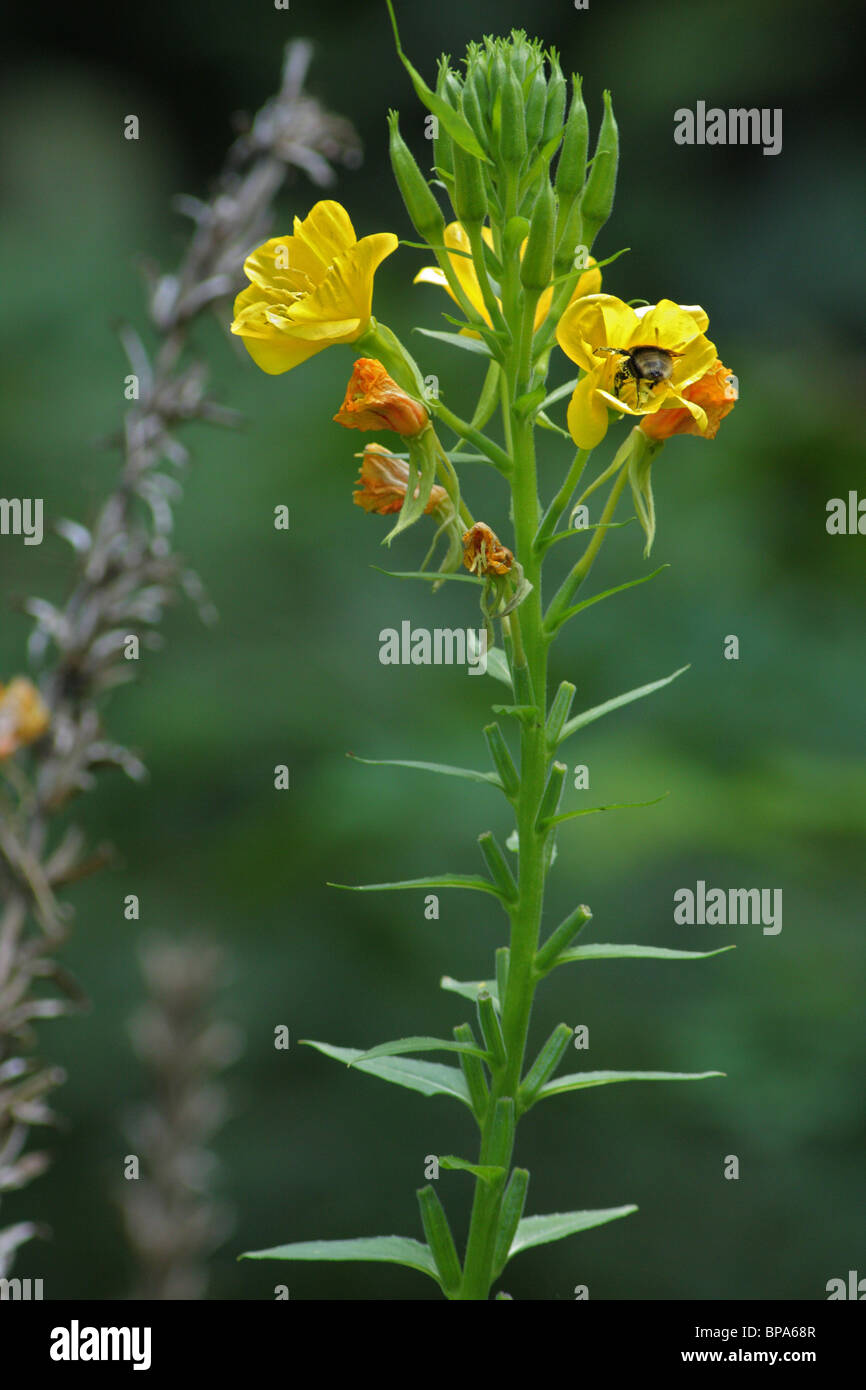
column 471, row 881
column 458, row 340
column 487, row 1172
column 428, row 1078
column 397, row 1250
column 401, row 1047
column 616, row 951
column 597, row 598
column 598, row 711
column 593, row 810
column 433, row 575
column 457, row 127
column 581, row 1080
column 468, row 773
column 470, row 988
column 542, row 1230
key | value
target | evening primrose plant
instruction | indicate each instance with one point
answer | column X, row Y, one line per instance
column 514, row 259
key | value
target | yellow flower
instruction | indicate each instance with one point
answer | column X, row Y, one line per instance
column 464, row 269
column 635, row 360
column 24, row 717
column 374, row 401
column 309, row 290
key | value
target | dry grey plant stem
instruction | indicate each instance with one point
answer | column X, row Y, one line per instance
column 172, row 1221
column 126, row 572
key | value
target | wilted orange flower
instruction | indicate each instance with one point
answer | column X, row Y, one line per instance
column 23, row 715
column 383, row 482
column 715, row 392
column 484, row 553
column 374, row 401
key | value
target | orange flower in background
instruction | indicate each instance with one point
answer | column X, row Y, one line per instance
column 483, row 552
column 24, row 716
column 374, row 401
column 715, row 392
column 384, row 480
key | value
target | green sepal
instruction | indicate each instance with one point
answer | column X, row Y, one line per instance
column 640, row 479
column 473, row 1071
column 536, row 266
column 559, row 712
column 469, row 774
column 422, row 475
column 582, row 1080
column 616, row 951
column 398, row 1250
column 474, row 883
column 544, row 1066
column 491, row 1029
column 558, row 940
column 428, row 1078
column 424, row 212
column 469, row 195
column 598, row 711
column 542, row 1230
column 458, row 128
column 554, row 111
column 440, row 1241
column 500, row 754
column 571, row 169
column 487, row 1172
column 512, row 132
column 402, row 1047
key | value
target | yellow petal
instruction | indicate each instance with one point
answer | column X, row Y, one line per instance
column 665, row 325
column 695, row 362
column 280, row 354
column 432, row 275
column 347, row 290
column 324, row 234
column 587, row 412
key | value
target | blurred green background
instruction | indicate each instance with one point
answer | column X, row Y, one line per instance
column 763, row 757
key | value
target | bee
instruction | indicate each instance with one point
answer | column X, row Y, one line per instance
column 646, row 365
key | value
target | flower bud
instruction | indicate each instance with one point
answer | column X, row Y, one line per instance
column 536, row 267
column 442, row 144
column 536, row 104
column 598, row 195
column 512, row 134
column 473, row 113
column 554, row 111
column 374, row 401
column 24, row 717
column 470, row 195
column 483, row 552
column 421, row 205
column 571, row 169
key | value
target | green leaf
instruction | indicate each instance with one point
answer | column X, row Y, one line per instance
column 581, row 1080
column 613, row 806
column 497, row 666
column 640, row 478
column 542, row 1230
column 469, row 774
column 469, row 989
column 458, row 128
column 435, row 576
column 597, row 598
column 471, row 881
column 401, row 1046
column 621, row 952
column 487, row 1172
column 428, row 1078
column 598, row 711
column 458, row 340
column 397, row 1250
